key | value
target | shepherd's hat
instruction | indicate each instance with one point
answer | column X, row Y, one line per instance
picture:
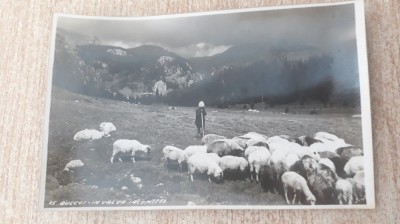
column 201, row 104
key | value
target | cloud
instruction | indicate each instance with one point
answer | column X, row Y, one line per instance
column 199, row 50
column 322, row 27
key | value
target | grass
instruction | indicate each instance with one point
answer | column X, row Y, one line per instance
column 158, row 126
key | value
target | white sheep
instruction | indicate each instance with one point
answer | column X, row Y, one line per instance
column 224, row 147
column 354, row 165
column 325, row 137
column 107, row 127
column 327, row 163
column 284, row 146
column 291, row 159
column 202, row 163
column 277, row 139
column 280, row 163
column 291, row 147
column 252, row 149
column 89, row 134
column 192, row 149
column 254, row 135
column 358, row 186
column 344, row 192
column 73, row 164
column 174, row 154
column 212, row 156
column 279, row 167
column 257, row 142
column 233, row 163
column 330, row 146
column 294, row 182
column 307, row 151
column 256, row 160
column 129, row 146
column 210, row 138
column 306, row 140
column 240, row 141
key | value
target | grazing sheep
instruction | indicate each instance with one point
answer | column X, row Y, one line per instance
column 191, row 150
column 322, row 187
column 225, row 147
column 212, row 156
column 280, row 163
column 328, row 174
column 307, row 151
column 107, row 127
column 256, row 160
column 328, row 146
column 326, row 163
column 277, row 139
column 325, row 136
column 257, row 142
column 267, row 178
column 359, row 177
column 73, row 164
column 201, row 163
column 349, row 151
column 353, row 165
column 284, row 146
column 210, row 138
column 306, row 140
column 240, row 141
column 339, row 163
column 252, row 149
column 129, row 146
column 328, row 154
column 172, row 153
column 234, row 163
column 344, row 192
column 279, row 167
column 287, row 137
column 297, row 184
column 254, row 135
column 291, row 159
column 290, row 147
column 90, row 134
column 305, row 166
column 358, row 187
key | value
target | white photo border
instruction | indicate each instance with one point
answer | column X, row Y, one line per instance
column 365, row 111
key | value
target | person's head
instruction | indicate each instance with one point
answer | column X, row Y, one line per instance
column 201, row 104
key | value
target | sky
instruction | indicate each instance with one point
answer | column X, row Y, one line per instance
column 328, row 28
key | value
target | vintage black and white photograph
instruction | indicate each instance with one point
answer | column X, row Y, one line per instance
column 259, row 108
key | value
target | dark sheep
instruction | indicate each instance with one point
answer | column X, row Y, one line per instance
column 328, row 154
column 306, row 140
column 349, row 151
column 267, row 178
column 339, row 165
column 322, row 188
column 305, row 166
column 225, row 147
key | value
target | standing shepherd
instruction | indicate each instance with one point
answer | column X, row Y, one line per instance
column 200, row 119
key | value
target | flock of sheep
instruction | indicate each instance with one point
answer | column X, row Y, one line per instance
column 319, row 169
column 322, row 169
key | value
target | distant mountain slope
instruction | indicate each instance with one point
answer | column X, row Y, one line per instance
column 108, row 70
column 83, row 64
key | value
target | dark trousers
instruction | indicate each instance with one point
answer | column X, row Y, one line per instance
column 199, row 130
